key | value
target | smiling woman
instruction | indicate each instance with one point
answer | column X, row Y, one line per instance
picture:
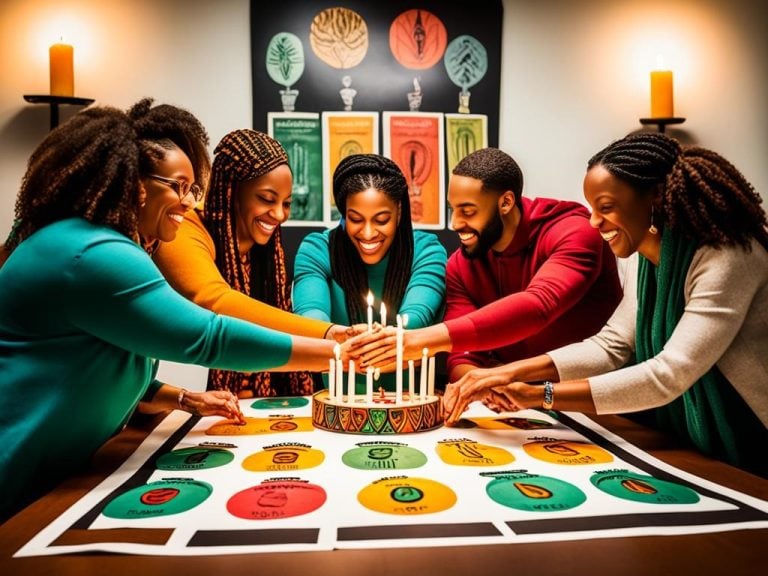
column 374, row 248
column 229, row 256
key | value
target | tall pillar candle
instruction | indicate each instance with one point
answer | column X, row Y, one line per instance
column 61, row 58
column 661, row 94
column 431, row 377
column 351, row 382
column 411, row 378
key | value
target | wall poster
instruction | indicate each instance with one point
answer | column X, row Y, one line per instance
column 414, row 141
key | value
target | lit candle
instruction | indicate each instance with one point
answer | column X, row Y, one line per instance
column 399, row 361
column 423, row 374
column 661, row 93
column 411, row 378
column 383, row 313
column 369, row 385
column 351, row 382
column 431, row 377
column 369, row 299
column 62, row 70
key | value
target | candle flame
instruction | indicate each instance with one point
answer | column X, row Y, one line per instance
column 369, row 298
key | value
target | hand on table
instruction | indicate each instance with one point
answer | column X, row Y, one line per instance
column 214, row 403
column 489, row 385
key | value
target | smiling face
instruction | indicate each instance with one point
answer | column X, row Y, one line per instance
column 162, row 211
column 474, row 215
column 371, row 223
column 621, row 215
column 261, row 205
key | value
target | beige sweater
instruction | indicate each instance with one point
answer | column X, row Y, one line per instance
column 725, row 322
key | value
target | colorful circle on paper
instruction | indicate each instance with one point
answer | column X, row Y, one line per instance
column 283, row 458
column 534, row 493
column 256, row 426
column 640, row 488
column 161, row 498
column 339, row 37
column 194, row 458
column 471, row 453
column 384, row 456
column 273, row 500
column 407, row 496
column 280, row 402
column 417, row 39
column 568, row 452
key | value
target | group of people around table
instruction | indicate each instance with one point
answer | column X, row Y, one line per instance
column 130, row 246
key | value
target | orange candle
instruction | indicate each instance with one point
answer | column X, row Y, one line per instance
column 62, row 70
column 661, row 94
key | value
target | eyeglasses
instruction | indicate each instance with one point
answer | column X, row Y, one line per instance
column 181, row 188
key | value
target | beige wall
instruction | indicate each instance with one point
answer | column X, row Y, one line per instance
column 574, row 75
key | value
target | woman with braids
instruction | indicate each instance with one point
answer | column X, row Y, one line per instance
column 688, row 342
column 84, row 311
column 374, row 248
column 229, row 257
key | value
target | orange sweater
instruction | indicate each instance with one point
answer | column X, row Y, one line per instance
column 189, row 265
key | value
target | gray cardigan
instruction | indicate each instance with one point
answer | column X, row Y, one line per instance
column 725, row 322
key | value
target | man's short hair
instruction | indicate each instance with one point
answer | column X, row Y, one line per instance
column 496, row 169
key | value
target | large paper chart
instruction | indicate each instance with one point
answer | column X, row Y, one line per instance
column 202, row 486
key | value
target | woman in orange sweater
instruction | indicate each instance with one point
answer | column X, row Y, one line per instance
column 229, row 257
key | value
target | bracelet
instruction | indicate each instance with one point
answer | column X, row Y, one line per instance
column 180, row 398
column 549, row 395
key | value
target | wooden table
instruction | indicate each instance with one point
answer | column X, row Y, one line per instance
column 730, row 553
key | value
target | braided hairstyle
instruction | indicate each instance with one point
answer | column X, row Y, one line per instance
column 90, row 166
column 246, row 155
column 496, row 169
column 703, row 196
column 354, row 174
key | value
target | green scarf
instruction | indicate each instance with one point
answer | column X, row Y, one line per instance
column 705, row 412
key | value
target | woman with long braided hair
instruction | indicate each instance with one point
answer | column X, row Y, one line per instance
column 84, row 313
column 228, row 257
column 374, row 248
column 687, row 345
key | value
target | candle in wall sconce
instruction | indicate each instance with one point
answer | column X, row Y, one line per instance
column 61, row 60
column 369, row 300
column 662, row 102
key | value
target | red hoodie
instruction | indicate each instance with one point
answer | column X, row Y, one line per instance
column 555, row 283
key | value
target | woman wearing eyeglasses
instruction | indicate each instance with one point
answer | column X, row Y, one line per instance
column 84, row 311
column 228, row 257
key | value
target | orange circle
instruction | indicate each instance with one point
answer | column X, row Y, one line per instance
column 417, row 39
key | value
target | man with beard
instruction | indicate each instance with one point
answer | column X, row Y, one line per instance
column 531, row 275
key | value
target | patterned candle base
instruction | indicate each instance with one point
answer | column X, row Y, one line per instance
column 383, row 416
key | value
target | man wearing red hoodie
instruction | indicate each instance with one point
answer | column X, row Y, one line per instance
column 531, row 275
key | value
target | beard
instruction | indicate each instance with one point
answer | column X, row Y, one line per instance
column 486, row 238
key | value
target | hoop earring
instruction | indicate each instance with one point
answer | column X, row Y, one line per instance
column 652, row 228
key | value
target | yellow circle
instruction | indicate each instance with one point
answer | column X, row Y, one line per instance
column 568, row 452
column 407, row 496
column 283, row 458
column 471, row 453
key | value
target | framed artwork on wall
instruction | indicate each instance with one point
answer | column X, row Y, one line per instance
column 300, row 134
column 464, row 133
column 345, row 133
column 414, row 141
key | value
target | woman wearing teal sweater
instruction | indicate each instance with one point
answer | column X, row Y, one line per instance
column 374, row 248
column 84, row 312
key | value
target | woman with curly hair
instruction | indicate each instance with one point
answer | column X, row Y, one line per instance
column 228, row 257
column 84, row 312
column 374, row 248
column 688, row 342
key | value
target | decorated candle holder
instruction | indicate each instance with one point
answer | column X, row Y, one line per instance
column 380, row 416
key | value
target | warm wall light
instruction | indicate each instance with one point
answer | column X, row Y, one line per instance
column 662, row 102
column 61, row 57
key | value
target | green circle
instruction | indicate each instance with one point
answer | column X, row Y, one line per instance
column 278, row 402
column 534, row 493
column 406, row 494
column 640, row 488
column 161, row 498
column 194, row 458
column 384, row 457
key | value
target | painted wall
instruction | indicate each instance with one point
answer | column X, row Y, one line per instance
column 574, row 76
